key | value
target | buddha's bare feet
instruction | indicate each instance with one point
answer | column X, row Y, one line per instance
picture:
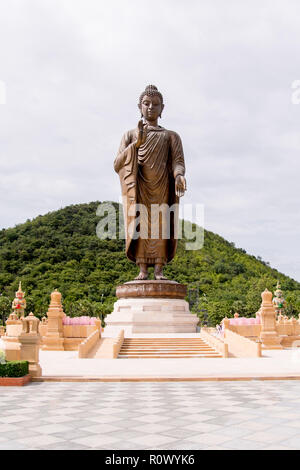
column 160, row 277
column 143, row 273
column 158, row 273
column 141, row 277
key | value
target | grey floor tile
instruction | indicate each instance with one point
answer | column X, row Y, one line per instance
column 13, row 445
column 76, row 424
column 178, row 422
column 20, row 433
column 127, row 423
column 74, row 434
column 180, row 433
column 244, row 444
column 123, row 445
column 292, row 442
column 217, row 413
column 67, row 446
column 32, row 423
column 211, row 416
column 226, row 420
column 126, row 435
column 182, row 445
column 236, row 432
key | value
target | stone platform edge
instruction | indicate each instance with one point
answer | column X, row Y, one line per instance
column 162, row 379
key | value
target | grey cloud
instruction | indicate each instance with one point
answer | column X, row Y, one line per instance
column 74, row 70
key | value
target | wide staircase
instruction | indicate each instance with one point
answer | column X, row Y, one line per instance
column 133, row 348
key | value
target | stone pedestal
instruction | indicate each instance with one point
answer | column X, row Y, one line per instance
column 151, row 307
column 54, row 339
column 30, row 344
column 11, row 338
column 30, row 347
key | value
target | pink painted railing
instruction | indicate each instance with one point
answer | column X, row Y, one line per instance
column 79, row 321
column 244, row 321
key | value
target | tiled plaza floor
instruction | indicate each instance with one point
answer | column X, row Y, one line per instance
column 170, row 415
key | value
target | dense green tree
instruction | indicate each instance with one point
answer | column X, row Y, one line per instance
column 61, row 250
column 5, row 308
column 238, row 306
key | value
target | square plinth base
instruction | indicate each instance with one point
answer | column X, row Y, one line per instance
column 150, row 315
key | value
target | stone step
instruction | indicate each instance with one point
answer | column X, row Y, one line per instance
column 166, row 348
column 161, row 346
column 173, row 340
column 154, row 345
column 165, row 353
column 170, row 356
column 169, row 349
column 164, row 343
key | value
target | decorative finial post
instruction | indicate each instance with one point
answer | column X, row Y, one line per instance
column 54, row 340
column 269, row 336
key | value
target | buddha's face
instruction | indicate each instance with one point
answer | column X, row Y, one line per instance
column 151, row 107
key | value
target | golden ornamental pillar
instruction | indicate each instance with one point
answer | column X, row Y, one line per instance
column 54, row 339
column 268, row 335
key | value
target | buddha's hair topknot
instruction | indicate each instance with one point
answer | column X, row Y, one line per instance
column 151, row 90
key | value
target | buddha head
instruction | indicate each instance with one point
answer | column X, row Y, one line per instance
column 151, row 104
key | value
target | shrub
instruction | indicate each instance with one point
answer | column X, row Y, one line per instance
column 14, row 369
column 2, row 357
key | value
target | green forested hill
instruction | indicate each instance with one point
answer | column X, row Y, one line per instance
column 61, row 250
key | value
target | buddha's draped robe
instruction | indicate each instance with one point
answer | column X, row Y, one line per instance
column 147, row 177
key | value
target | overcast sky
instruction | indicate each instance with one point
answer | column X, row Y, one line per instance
column 74, row 69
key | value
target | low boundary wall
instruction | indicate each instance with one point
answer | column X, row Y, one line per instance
column 87, row 345
column 246, row 330
column 240, row 346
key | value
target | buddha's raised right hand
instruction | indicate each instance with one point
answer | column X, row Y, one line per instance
column 142, row 135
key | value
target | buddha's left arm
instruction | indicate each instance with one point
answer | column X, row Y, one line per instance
column 177, row 156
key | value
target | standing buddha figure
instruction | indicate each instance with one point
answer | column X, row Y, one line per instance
column 151, row 167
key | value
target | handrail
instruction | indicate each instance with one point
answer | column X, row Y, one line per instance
column 88, row 344
column 117, row 344
column 214, row 342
